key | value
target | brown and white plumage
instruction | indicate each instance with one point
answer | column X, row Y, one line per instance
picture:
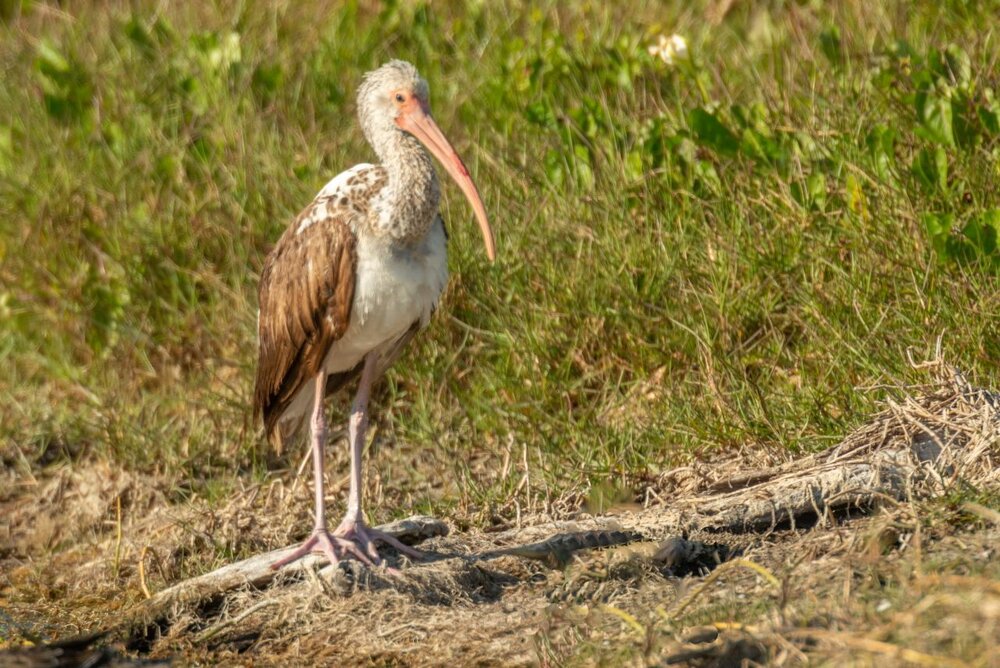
column 306, row 295
column 351, row 280
column 307, row 292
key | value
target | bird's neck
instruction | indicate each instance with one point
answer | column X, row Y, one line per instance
column 411, row 196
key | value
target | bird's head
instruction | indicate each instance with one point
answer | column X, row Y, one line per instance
column 394, row 99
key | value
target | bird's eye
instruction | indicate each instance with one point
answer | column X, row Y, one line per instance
column 400, row 98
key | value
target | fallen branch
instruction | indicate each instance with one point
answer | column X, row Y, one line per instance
column 257, row 572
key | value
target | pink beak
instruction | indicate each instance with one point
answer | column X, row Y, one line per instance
column 416, row 119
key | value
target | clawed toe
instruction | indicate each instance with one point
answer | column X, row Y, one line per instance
column 349, row 540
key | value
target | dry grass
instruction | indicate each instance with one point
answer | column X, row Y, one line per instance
column 910, row 580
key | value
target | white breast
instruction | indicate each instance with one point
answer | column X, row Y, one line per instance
column 394, row 289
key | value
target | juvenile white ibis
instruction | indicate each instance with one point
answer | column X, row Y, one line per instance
column 350, row 282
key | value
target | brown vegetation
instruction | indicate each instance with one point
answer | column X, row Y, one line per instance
column 855, row 549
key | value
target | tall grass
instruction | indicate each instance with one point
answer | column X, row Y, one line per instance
column 713, row 254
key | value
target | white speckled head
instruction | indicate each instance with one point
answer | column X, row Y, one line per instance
column 394, row 109
column 381, row 99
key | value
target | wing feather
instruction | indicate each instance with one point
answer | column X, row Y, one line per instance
column 306, row 292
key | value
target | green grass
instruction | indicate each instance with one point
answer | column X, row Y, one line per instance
column 762, row 229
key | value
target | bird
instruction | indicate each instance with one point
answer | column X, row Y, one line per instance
column 349, row 283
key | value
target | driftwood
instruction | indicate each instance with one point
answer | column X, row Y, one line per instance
column 257, row 572
column 919, row 446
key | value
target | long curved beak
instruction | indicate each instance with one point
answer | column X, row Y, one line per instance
column 416, row 119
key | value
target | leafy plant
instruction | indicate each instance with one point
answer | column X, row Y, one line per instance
column 67, row 88
column 974, row 242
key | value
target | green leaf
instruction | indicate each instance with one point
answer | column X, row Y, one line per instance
column 941, row 165
column 989, row 113
column 6, row 149
column 267, row 81
column 935, row 114
column 711, row 132
column 881, row 143
column 981, row 234
column 105, row 298
column 977, row 242
column 584, row 172
column 931, row 168
column 540, row 113
column 964, row 126
column 554, row 167
column 954, row 65
column 938, row 228
column 992, row 218
column 137, row 32
column 829, row 44
column 634, row 165
column 49, row 61
column 66, row 86
column 938, row 225
column 706, row 177
column 653, row 143
column 857, row 202
column 816, row 186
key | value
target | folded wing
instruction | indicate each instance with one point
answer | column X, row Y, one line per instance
column 306, row 291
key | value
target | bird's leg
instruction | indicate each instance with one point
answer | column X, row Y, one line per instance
column 318, row 431
column 353, row 525
column 352, row 537
column 321, row 540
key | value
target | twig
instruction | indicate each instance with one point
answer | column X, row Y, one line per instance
column 118, row 533
column 142, row 572
column 255, row 572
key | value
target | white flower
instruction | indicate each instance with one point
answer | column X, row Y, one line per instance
column 670, row 49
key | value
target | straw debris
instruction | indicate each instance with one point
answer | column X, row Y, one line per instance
column 808, row 544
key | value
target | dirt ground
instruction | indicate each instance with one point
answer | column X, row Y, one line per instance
column 901, row 570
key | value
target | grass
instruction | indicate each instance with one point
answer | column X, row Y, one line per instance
column 929, row 603
column 710, row 255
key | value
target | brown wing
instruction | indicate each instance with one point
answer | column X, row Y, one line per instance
column 306, row 291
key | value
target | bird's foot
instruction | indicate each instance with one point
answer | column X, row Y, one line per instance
column 352, row 539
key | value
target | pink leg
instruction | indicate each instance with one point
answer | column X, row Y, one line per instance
column 353, row 525
column 351, row 537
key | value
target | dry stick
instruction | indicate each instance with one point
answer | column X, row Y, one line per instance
column 118, row 533
column 142, row 572
column 415, row 628
column 255, row 571
column 869, row 470
column 726, row 510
